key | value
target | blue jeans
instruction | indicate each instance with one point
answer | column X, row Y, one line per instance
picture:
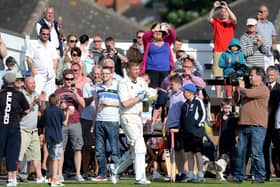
column 252, row 136
column 106, row 131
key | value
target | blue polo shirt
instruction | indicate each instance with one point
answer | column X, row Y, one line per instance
column 176, row 102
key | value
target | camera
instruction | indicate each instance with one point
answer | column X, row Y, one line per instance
column 180, row 72
column 73, row 86
column 241, row 71
column 108, row 48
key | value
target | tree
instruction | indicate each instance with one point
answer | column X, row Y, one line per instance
column 180, row 12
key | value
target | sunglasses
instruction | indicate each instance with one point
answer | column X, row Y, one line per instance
column 95, row 41
column 75, row 70
column 74, row 55
column 68, row 79
column 73, row 41
column 139, row 37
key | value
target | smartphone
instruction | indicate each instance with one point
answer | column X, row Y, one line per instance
column 73, row 86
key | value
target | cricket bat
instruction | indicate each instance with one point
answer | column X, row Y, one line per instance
column 173, row 163
column 167, row 161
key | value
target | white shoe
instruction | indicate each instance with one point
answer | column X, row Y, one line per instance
column 114, row 177
column 56, row 183
column 42, row 180
column 12, row 182
column 79, row 178
column 60, row 178
column 142, row 181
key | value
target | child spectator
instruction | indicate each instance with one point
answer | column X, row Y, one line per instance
column 226, row 122
column 228, row 62
column 192, row 119
column 54, row 119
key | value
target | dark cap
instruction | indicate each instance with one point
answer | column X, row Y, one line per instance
column 10, row 61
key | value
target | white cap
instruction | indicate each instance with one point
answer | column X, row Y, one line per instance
column 251, row 21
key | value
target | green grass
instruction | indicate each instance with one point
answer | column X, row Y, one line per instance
column 127, row 183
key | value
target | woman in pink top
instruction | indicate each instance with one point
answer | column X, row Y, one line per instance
column 80, row 78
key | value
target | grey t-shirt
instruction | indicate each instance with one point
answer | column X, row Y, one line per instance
column 29, row 121
column 267, row 30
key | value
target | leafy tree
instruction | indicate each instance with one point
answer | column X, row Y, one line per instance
column 180, row 12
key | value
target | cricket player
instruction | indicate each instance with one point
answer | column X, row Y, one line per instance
column 132, row 91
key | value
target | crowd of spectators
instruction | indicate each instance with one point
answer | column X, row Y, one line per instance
column 77, row 91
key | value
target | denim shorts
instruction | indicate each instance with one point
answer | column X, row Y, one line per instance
column 55, row 150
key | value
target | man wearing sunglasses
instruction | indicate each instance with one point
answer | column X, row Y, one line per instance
column 71, row 97
column 267, row 30
column 42, row 60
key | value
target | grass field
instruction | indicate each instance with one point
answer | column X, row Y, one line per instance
column 127, row 183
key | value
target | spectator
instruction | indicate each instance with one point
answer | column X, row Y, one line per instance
column 136, row 51
column 252, row 126
column 177, row 46
column 87, row 57
column 42, row 62
column 72, row 40
column 96, row 48
column 158, row 59
column 132, row 91
column 11, row 65
column 30, row 143
column 223, row 32
column 192, row 119
column 71, row 97
column 3, row 54
column 273, row 126
column 110, row 64
column 49, row 21
column 13, row 105
column 273, row 86
column 116, row 54
column 267, row 30
column 188, row 64
column 228, row 62
column 54, row 119
column 89, row 93
column 253, row 45
column 106, row 116
column 173, row 121
column 226, row 122
column 80, row 78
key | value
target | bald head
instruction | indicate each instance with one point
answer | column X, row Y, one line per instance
column 29, row 84
column 263, row 12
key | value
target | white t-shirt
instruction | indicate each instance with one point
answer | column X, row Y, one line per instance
column 42, row 57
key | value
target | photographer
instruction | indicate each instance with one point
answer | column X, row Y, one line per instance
column 252, row 126
column 116, row 54
column 228, row 61
column 158, row 59
column 71, row 97
column 223, row 31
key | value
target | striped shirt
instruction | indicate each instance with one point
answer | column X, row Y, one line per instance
column 110, row 96
column 254, row 55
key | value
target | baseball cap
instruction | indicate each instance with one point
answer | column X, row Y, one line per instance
column 251, row 21
column 10, row 61
column 189, row 87
column 9, row 77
